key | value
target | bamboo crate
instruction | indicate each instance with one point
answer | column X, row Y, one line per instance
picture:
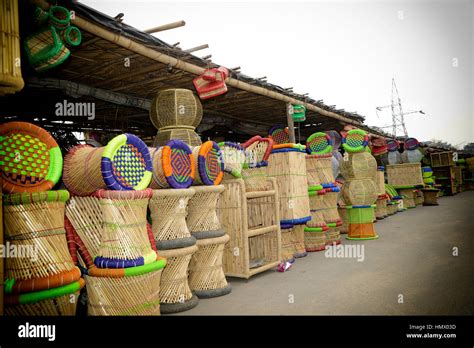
column 251, row 219
column 442, row 159
column 289, row 170
column 404, row 175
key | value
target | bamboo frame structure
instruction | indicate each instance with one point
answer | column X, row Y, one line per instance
column 11, row 80
column 168, row 209
column 175, row 293
column 206, row 275
column 252, row 221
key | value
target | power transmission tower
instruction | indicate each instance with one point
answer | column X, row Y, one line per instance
column 398, row 116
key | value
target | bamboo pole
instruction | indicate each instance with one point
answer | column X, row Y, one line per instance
column 291, row 125
column 197, row 48
column 196, row 70
column 165, row 27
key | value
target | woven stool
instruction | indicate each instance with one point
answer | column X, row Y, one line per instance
column 175, row 294
column 168, row 209
column 297, row 236
column 315, row 238
column 431, row 196
column 333, row 235
column 202, row 212
column 206, row 275
column 287, row 244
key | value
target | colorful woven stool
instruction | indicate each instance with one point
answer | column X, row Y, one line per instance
column 175, row 294
column 209, row 164
column 206, row 275
column 319, row 144
column 315, row 238
column 279, row 134
column 254, row 172
column 124, row 164
column 316, row 205
column 361, row 226
column 30, row 159
column 234, row 158
column 173, row 165
column 168, row 209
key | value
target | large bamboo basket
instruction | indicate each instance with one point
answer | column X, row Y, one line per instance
column 10, row 70
column 316, row 206
column 175, row 294
column 60, row 301
column 358, row 165
column 315, row 238
column 329, row 202
column 206, row 275
column 333, row 236
column 124, row 239
column 319, row 169
column 209, row 164
column 184, row 133
column 173, row 165
column 408, row 198
column 124, row 164
column 288, row 167
column 359, row 191
column 168, row 209
column 175, row 107
column 405, row 175
column 30, row 159
column 125, row 292
column 85, row 216
column 36, row 222
column 202, row 210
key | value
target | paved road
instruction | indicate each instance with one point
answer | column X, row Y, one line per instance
column 413, row 257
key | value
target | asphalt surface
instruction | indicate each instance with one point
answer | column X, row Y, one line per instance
column 409, row 270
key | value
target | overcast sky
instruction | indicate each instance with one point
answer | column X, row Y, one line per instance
column 344, row 52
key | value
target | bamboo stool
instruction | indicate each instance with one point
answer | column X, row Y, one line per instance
column 168, row 209
column 381, row 207
column 297, row 236
column 202, row 219
column 315, row 238
column 408, row 195
column 345, row 222
column 319, row 169
column 333, row 235
column 206, row 275
column 288, row 247
column 209, row 164
column 125, row 291
column 175, row 294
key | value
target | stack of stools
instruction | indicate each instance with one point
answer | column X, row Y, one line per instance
column 359, row 190
column 173, row 173
column 44, row 280
column 107, row 226
column 287, row 165
column 324, row 227
column 206, row 274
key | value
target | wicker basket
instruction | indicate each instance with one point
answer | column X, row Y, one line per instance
column 175, row 107
column 168, row 210
column 175, row 294
column 358, row 165
column 319, row 169
column 36, row 222
column 359, row 191
column 406, row 175
column 202, row 210
column 124, row 164
column 125, row 292
column 10, row 71
column 288, row 167
column 30, row 159
column 206, row 275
